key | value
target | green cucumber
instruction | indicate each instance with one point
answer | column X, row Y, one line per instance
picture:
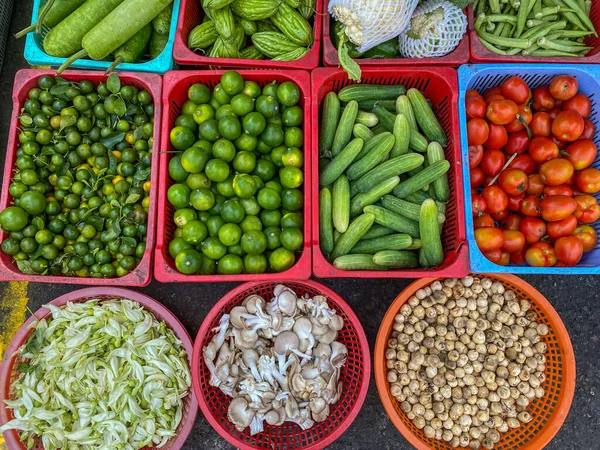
column 357, row 228
column 418, row 197
column 394, row 166
column 372, row 143
column 416, row 245
column 373, row 195
column 371, row 159
column 431, row 250
column 343, row 133
column 356, row 262
column 402, row 133
column 340, row 163
column 418, row 142
column 403, row 106
column 54, row 14
column 441, row 188
column 362, row 132
column 391, row 242
column 386, row 118
column 329, row 121
column 367, row 91
column 162, row 22
column 394, row 221
column 157, row 44
column 341, row 203
column 407, row 209
column 367, row 105
column 377, row 231
column 132, row 50
column 426, row 117
column 397, row 259
column 325, row 222
column 423, row 178
column 367, row 119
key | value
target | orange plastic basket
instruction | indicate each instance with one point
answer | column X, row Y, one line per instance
column 548, row 412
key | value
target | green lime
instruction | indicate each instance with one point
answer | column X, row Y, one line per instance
column 232, row 211
column 274, row 184
column 263, row 148
column 276, row 120
column 225, row 187
column 182, row 138
column 214, row 224
column 255, row 263
column 209, row 266
column 223, row 149
column 288, row 93
column 188, row 261
column 209, row 130
column 232, row 82
column 194, row 159
column 267, row 106
column 216, row 170
column 44, row 237
column 246, row 142
column 292, row 157
column 236, row 250
column 244, row 162
column 11, row 246
column 292, row 199
column 269, row 199
column 251, row 223
column 293, row 137
column 188, row 108
column 28, row 177
column 203, row 216
column 292, row 116
column 183, row 216
column 221, row 95
column 273, row 135
column 265, row 169
column 250, row 205
column 272, row 234
column 213, row 248
column 292, row 219
column 270, row 90
column 244, row 185
column 202, row 199
column 254, row 242
column 242, row 104
column 194, row 232
column 179, row 195
column 291, row 177
column 213, row 100
column 230, row 128
column 281, row 259
column 185, row 120
column 251, row 89
column 198, row 181
column 17, row 189
column 277, row 155
column 203, row 143
column 199, row 93
column 292, row 238
column 230, row 265
column 259, row 182
column 254, row 123
column 224, row 111
column 33, row 203
column 177, row 245
column 230, row 234
column 270, row 218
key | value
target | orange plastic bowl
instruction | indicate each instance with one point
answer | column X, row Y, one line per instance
column 548, row 412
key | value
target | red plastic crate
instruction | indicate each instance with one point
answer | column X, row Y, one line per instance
column 480, row 54
column 459, row 56
column 24, row 81
column 176, row 85
column 191, row 14
column 440, row 85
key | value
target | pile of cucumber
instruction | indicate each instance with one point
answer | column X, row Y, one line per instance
column 383, row 177
column 118, row 30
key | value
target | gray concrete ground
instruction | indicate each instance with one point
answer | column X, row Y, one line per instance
column 576, row 299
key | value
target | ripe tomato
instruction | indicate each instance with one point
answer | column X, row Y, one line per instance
column 588, row 180
column 489, row 238
column 516, row 89
column 500, row 216
column 498, row 137
column 477, row 131
column 541, row 124
column 513, row 181
column 588, row 210
column 572, row 180
column 561, row 189
column 513, row 241
column 563, row 87
column 504, row 259
column 517, row 142
column 542, row 99
column 475, row 155
column 556, row 171
column 491, row 91
column 560, row 228
column 518, row 258
column 531, row 206
column 541, row 254
column 523, row 162
column 484, row 220
column 568, row 126
column 490, row 98
column 533, row 228
column 588, row 130
column 569, row 250
column 542, row 149
column 554, row 112
column 515, row 202
column 588, row 237
column 535, row 187
column 524, row 115
column 478, row 205
column 557, row 207
column 492, row 162
column 472, row 93
column 581, row 153
column 580, row 103
column 512, row 222
column 501, row 112
column 475, row 107
column 495, row 199
column 477, row 177
column 560, row 144
column 494, row 256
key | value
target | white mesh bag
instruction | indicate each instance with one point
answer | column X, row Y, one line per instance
column 436, row 28
column 371, row 22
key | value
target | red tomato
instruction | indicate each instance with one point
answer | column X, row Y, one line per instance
column 513, row 181
column 554, row 112
column 588, row 210
column 515, row 202
column 523, row 162
column 475, row 155
column 504, row 259
column 569, row 250
column 517, row 142
column 588, row 237
column 477, row 177
column 472, row 93
column 484, row 220
column 579, row 103
column 588, row 130
column 541, row 124
column 475, row 107
column 542, row 149
column 494, row 256
column 588, row 180
column 564, row 87
column 561, row 189
column 500, row 216
column 492, row 91
column 492, row 162
column 542, row 99
column 501, row 112
column 513, row 241
column 568, row 126
column 495, row 199
column 572, row 180
column 535, row 186
column 557, row 207
column 518, row 258
column 477, row 131
column 498, row 137
column 478, row 205
column 560, row 144
column 489, row 238
column 560, row 228
column 581, row 153
column 512, row 222
column 533, row 228
column 516, row 89
column 556, row 171
column 524, row 115
column 490, row 98
column 531, row 206
column 541, row 254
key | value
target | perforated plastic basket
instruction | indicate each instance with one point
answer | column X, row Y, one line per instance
column 176, row 85
column 36, row 56
column 6, row 7
column 355, row 375
column 548, row 412
column 24, row 81
column 441, row 87
column 480, row 54
column 481, row 77
column 10, row 361
column 459, row 56
column 191, row 15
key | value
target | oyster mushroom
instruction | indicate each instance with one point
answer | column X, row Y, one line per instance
column 322, row 350
column 236, row 316
column 254, row 303
column 245, row 338
column 250, row 360
column 275, row 417
column 328, row 337
column 319, row 409
column 287, row 342
column 286, row 301
column 266, row 364
column 339, row 353
column 303, row 328
column 239, row 413
column 318, row 329
column 336, row 323
column 303, row 419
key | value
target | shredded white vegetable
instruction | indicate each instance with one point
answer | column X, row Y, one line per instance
column 99, row 376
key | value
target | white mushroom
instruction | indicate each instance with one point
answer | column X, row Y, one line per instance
column 322, row 350
column 328, row 337
column 319, row 409
column 236, row 316
column 336, row 323
column 269, row 371
column 250, row 359
column 303, row 419
column 286, row 301
column 239, row 413
column 339, row 353
column 254, row 303
column 275, row 417
column 257, row 424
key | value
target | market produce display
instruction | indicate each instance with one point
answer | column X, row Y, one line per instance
column 383, row 177
column 254, row 29
column 81, row 183
column 238, row 178
column 279, row 360
column 535, row 27
column 530, row 155
column 99, row 374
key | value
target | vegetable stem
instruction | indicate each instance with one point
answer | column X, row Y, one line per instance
column 25, row 31
column 42, row 16
column 118, row 60
column 64, row 66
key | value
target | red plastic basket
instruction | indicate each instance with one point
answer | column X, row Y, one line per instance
column 24, row 81
column 440, row 85
column 10, row 360
column 459, row 56
column 355, row 376
column 191, row 14
column 480, row 54
column 176, row 85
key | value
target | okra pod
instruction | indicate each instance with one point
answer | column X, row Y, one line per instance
column 579, row 12
column 495, row 6
column 505, row 41
column 554, row 45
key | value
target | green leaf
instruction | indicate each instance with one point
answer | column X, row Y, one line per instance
column 63, row 170
column 114, row 230
column 141, row 175
column 115, row 203
column 120, row 107
column 112, row 162
column 35, row 255
column 67, row 121
column 113, row 83
column 48, row 151
column 349, row 65
column 113, row 139
column 25, row 267
column 132, row 109
column 138, row 134
column 132, row 198
column 96, row 221
column 59, row 89
column 129, row 241
column 38, row 222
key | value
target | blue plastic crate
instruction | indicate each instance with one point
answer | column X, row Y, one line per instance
column 35, row 55
column 484, row 76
